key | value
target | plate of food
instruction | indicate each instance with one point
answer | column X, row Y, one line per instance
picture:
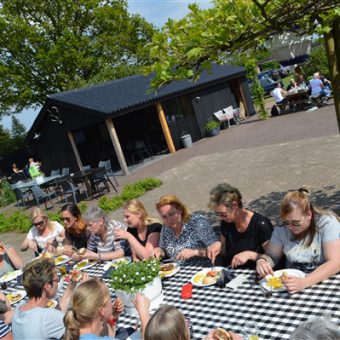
column 84, row 264
column 51, row 304
column 169, row 269
column 15, row 296
column 61, row 260
column 206, row 277
column 115, row 262
column 275, row 282
column 10, row 276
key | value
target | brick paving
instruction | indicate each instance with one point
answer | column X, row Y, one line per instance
column 263, row 159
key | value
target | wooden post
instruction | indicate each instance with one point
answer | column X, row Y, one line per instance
column 246, row 108
column 75, row 150
column 165, row 128
column 116, row 145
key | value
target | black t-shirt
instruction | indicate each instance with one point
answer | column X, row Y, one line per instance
column 259, row 231
column 77, row 240
column 151, row 228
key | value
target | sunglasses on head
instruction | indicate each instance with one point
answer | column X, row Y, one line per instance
column 37, row 224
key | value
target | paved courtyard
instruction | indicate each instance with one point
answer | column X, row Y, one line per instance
column 263, row 159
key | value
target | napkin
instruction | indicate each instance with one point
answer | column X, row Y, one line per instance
column 239, row 279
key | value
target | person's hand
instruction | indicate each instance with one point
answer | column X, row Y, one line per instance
column 158, row 252
column 263, row 268
column 240, row 259
column 293, row 284
column 141, row 303
column 3, row 249
column 186, row 253
column 213, row 250
column 121, row 234
column 117, row 308
column 33, row 245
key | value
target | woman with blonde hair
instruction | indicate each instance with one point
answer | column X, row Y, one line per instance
column 43, row 234
column 91, row 310
column 143, row 232
column 184, row 236
column 310, row 240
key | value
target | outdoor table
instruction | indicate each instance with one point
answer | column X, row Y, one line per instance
column 212, row 307
column 30, row 184
column 84, row 177
column 299, row 98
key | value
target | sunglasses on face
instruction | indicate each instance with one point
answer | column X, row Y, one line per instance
column 294, row 223
column 169, row 215
column 66, row 219
column 38, row 224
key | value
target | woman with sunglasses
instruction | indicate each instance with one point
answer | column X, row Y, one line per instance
column 310, row 241
column 184, row 236
column 43, row 234
column 75, row 228
column 143, row 231
column 245, row 234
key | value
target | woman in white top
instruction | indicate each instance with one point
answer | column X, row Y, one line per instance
column 43, row 234
column 310, row 240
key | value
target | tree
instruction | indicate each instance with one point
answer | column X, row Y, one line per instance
column 184, row 48
column 6, row 145
column 47, row 46
column 18, row 133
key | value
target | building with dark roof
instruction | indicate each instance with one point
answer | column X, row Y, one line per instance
column 124, row 120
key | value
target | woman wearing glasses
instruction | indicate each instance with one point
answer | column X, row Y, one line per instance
column 310, row 240
column 184, row 236
column 43, row 234
column 75, row 228
column 245, row 234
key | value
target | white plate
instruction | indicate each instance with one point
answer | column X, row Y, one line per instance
column 204, row 271
column 51, row 304
column 174, row 271
column 84, row 264
column 22, row 294
column 61, row 260
column 278, row 273
column 10, row 276
column 114, row 263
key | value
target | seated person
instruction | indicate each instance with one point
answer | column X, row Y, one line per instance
column 9, row 259
column 102, row 244
column 43, row 234
column 5, row 331
column 76, row 235
column 32, row 319
column 34, row 168
column 292, row 85
column 316, row 85
column 278, row 93
column 143, row 232
column 245, row 234
column 184, row 236
column 6, row 315
column 310, row 240
column 327, row 86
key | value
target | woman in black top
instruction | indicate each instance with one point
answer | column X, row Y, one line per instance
column 245, row 234
column 143, row 232
column 75, row 228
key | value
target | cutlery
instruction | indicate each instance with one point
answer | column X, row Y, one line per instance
column 266, row 292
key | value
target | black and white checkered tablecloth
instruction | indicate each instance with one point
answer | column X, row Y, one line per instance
column 212, row 307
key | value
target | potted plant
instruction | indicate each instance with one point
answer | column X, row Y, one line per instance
column 212, row 127
column 130, row 278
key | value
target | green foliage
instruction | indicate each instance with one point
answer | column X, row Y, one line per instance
column 130, row 191
column 82, row 207
column 134, row 276
column 16, row 221
column 211, row 124
column 6, row 194
column 270, row 65
column 317, row 62
column 47, row 46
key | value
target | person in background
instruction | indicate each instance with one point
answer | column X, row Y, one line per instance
column 278, row 93
column 292, row 85
column 143, row 232
column 43, row 234
column 15, row 169
column 245, row 234
column 9, row 259
column 32, row 319
column 34, row 168
column 76, row 235
column 327, row 86
column 91, row 310
column 316, row 85
column 102, row 244
column 184, row 236
column 309, row 239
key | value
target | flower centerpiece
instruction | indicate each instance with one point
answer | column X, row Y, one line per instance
column 129, row 278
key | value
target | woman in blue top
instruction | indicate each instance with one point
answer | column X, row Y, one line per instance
column 310, row 240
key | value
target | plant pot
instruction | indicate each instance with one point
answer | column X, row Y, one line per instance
column 153, row 291
column 214, row 132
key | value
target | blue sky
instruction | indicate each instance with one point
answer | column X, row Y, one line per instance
column 154, row 11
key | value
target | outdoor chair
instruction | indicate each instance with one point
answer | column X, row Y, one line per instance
column 107, row 166
column 42, row 196
column 86, row 168
column 65, row 171
column 55, row 173
column 229, row 115
column 68, row 188
column 22, row 196
column 99, row 176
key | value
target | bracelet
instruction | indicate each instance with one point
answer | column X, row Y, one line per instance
column 112, row 322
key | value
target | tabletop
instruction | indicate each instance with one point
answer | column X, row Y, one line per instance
column 212, row 307
column 29, row 184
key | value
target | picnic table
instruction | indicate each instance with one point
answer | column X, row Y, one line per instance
column 298, row 98
column 212, row 307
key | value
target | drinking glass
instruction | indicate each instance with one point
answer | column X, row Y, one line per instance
column 251, row 331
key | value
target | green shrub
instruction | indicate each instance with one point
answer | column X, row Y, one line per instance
column 129, row 192
column 17, row 221
column 6, row 194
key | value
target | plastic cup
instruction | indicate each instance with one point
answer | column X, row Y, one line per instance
column 251, row 331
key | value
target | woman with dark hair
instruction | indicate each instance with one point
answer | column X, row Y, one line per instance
column 75, row 228
column 310, row 240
